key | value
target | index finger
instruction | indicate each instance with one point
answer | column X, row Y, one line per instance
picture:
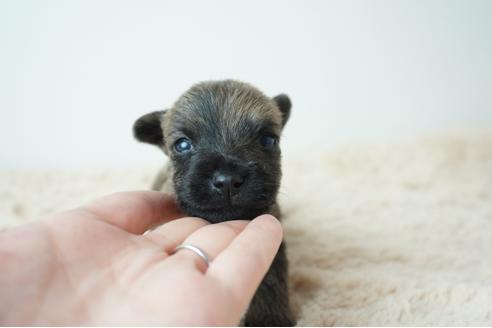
column 243, row 264
column 135, row 211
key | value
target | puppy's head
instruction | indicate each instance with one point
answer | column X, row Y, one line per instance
column 223, row 141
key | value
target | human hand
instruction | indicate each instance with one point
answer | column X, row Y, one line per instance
column 94, row 265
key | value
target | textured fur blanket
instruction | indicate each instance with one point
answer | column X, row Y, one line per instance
column 396, row 234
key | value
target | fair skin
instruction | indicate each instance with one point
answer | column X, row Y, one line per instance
column 95, row 266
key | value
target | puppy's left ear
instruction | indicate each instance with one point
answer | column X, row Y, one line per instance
column 284, row 104
column 148, row 128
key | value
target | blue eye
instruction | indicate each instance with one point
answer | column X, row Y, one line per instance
column 182, row 145
column 268, row 141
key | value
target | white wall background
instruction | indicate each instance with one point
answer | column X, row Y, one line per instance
column 74, row 75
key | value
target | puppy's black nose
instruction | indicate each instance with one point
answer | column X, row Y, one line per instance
column 227, row 183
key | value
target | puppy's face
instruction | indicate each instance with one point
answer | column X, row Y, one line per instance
column 223, row 142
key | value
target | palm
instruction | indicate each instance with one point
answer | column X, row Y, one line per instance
column 112, row 274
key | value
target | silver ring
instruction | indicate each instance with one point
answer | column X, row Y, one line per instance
column 194, row 249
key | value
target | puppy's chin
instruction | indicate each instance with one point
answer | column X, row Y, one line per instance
column 222, row 213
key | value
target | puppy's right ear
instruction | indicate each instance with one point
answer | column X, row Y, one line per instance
column 148, row 128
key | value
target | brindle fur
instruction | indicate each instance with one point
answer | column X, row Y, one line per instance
column 224, row 119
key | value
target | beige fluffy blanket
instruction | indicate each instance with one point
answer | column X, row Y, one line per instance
column 397, row 234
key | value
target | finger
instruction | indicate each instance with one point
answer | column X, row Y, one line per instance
column 211, row 239
column 135, row 211
column 244, row 263
column 173, row 233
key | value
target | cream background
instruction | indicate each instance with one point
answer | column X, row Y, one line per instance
column 388, row 234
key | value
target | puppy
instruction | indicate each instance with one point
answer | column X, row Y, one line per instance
column 222, row 138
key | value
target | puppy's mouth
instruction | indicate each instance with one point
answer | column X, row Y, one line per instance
column 224, row 211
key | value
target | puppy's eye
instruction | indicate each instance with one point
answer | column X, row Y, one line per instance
column 183, row 145
column 268, row 141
